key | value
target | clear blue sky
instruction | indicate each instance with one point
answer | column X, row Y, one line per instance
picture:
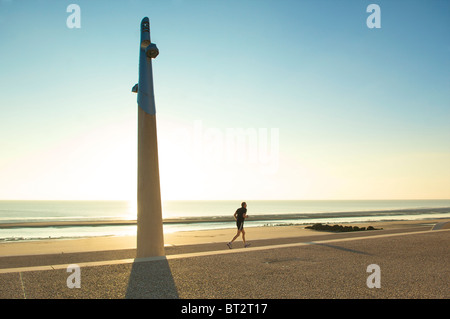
column 361, row 113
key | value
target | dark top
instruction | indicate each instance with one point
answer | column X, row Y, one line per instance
column 240, row 214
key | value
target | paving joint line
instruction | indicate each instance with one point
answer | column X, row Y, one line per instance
column 23, row 286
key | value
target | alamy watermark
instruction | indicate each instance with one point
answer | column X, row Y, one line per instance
column 258, row 147
column 74, row 19
column 374, row 279
column 74, row 280
column 374, row 19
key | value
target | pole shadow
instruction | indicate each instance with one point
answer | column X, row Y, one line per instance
column 342, row 248
column 151, row 280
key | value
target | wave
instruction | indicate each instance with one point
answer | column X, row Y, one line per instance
column 92, row 221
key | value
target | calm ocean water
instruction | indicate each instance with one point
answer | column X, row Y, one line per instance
column 197, row 215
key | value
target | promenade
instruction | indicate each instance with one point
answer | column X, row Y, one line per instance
column 413, row 263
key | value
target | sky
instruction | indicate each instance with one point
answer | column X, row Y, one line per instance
column 255, row 99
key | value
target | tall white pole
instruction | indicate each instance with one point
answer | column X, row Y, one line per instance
column 150, row 237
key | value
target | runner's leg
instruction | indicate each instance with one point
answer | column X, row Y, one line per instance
column 237, row 235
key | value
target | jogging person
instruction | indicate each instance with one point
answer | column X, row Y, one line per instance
column 240, row 215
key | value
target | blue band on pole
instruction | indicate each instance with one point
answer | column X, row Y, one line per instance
column 147, row 51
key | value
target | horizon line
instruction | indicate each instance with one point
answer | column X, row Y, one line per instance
column 239, row 200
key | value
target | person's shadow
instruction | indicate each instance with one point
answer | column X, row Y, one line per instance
column 151, row 279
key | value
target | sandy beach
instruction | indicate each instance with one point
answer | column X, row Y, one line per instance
column 59, row 246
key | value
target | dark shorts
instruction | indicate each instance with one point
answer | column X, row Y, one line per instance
column 240, row 224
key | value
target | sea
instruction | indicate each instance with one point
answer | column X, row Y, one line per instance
column 42, row 220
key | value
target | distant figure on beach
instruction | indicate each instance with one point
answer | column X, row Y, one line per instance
column 240, row 215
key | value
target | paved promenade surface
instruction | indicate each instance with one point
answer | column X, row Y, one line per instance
column 414, row 263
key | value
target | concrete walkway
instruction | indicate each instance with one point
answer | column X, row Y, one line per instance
column 413, row 263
